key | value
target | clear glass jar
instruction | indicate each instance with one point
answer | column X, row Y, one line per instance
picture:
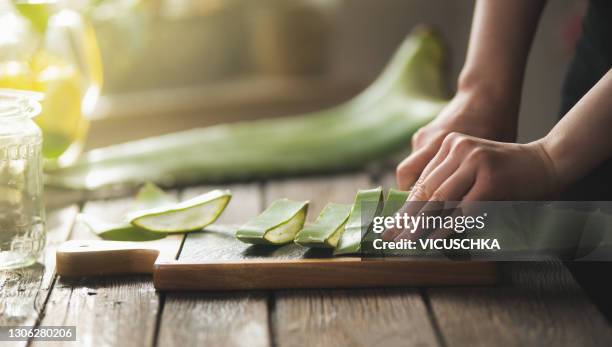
column 22, row 215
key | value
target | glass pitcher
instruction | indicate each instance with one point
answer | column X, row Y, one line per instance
column 48, row 48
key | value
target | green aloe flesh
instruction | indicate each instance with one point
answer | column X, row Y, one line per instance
column 394, row 201
column 277, row 225
column 190, row 215
column 378, row 121
column 117, row 231
column 326, row 230
column 368, row 204
column 149, row 196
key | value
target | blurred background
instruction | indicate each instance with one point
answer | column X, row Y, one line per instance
column 175, row 64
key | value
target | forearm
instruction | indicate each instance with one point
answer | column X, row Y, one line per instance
column 501, row 36
column 582, row 140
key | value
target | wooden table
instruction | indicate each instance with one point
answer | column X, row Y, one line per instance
column 538, row 304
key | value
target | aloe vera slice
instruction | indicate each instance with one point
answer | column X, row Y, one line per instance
column 117, row 231
column 277, row 225
column 377, row 122
column 190, row 215
column 326, row 230
column 395, row 200
column 368, row 204
column 151, row 196
column 148, row 196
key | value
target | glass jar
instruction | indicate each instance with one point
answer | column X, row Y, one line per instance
column 22, row 216
column 49, row 48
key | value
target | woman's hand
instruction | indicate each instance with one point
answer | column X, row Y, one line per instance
column 467, row 168
column 472, row 113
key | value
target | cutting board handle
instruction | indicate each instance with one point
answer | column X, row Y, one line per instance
column 93, row 257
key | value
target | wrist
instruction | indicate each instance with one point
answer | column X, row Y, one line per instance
column 546, row 148
column 495, row 115
column 490, row 88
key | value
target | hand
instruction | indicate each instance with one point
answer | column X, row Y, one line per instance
column 470, row 113
column 467, row 168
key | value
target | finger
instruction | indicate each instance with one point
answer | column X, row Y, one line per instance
column 438, row 159
column 391, row 233
column 406, row 231
column 409, row 170
column 418, row 227
column 424, row 189
column 480, row 191
column 456, row 186
column 452, row 184
column 408, row 235
column 442, row 233
column 431, row 209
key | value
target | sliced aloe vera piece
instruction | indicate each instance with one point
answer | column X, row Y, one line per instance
column 149, row 196
column 368, row 204
column 277, row 225
column 117, row 231
column 190, row 215
column 326, row 230
column 395, row 200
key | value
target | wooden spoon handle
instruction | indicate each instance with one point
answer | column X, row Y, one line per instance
column 93, row 257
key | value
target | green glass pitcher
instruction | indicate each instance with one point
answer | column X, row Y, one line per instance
column 47, row 47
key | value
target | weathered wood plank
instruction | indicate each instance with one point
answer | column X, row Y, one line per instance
column 23, row 292
column 394, row 317
column 107, row 311
column 538, row 304
column 384, row 317
column 217, row 319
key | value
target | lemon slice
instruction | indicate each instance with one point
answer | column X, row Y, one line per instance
column 190, row 215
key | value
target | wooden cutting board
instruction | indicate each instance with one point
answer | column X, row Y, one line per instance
column 215, row 260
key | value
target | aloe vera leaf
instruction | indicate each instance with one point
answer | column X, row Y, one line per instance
column 148, row 196
column 326, row 229
column 151, row 196
column 190, row 215
column 378, row 121
column 277, row 225
column 117, row 231
column 368, row 204
column 394, row 201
